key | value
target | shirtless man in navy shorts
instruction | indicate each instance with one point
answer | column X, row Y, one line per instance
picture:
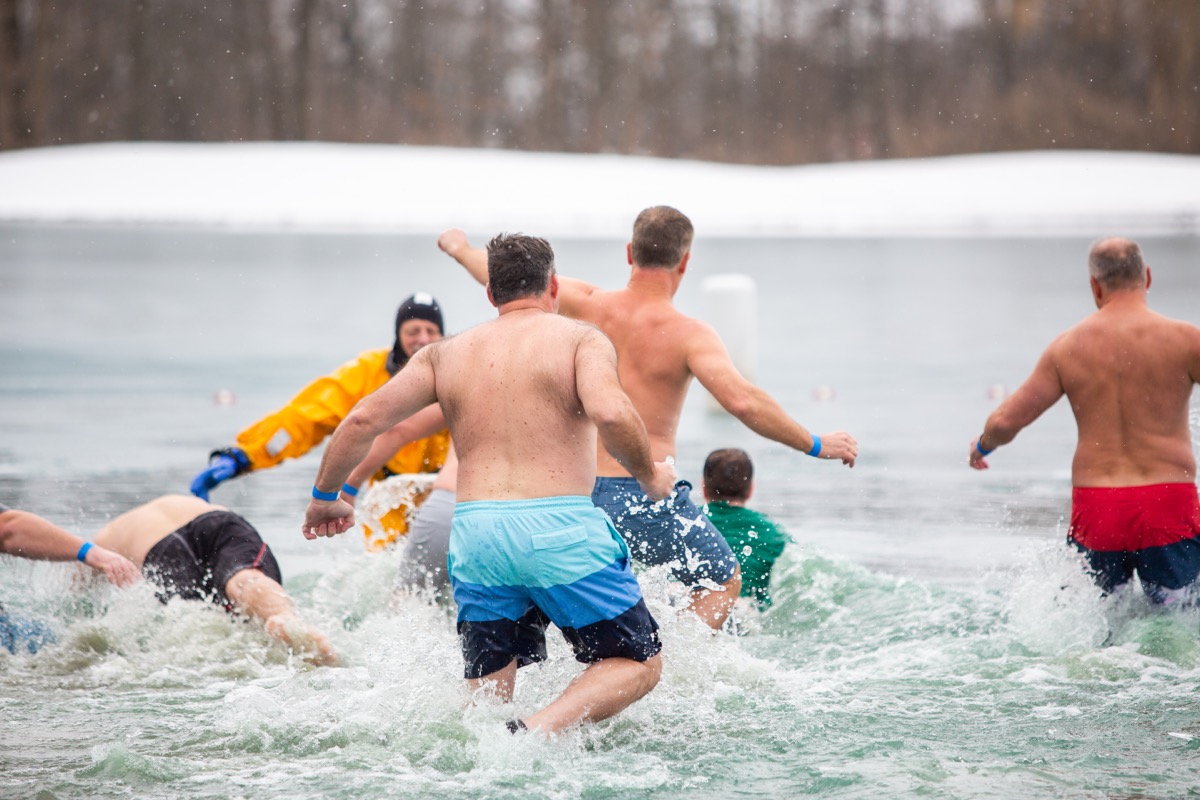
column 659, row 351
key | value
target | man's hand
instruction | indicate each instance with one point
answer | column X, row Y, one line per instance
column 455, row 244
column 662, row 482
column 327, row 518
column 119, row 570
column 976, row 457
column 452, row 241
column 839, row 445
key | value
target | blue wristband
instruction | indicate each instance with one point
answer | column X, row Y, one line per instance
column 350, row 490
column 816, row 448
column 81, row 556
column 980, row 450
column 326, row 496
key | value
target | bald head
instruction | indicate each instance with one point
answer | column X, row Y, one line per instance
column 1117, row 264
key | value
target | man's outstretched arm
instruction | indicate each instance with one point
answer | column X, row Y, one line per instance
column 571, row 292
column 30, row 536
column 411, row 390
column 1040, row 390
column 709, row 361
column 424, row 423
column 454, row 243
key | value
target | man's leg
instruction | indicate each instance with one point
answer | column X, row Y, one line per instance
column 604, row 689
column 1168, row 572
column 262, row 598
column 499, row 684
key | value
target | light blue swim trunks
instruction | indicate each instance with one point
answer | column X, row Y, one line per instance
column 517, row 565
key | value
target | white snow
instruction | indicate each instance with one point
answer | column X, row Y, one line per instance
column 393, row 188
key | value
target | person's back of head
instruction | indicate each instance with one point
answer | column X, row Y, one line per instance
column 728, row 475
column 1116, row 264
column 662, row 236
column 519, row 266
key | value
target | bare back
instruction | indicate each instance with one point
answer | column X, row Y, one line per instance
column 508, row 389
column 135, row 532
column 652, row 339
column 1128, row 374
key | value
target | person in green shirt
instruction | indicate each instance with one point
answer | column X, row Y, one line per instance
column 755, row 539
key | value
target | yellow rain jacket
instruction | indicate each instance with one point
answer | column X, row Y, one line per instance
column 313, row 414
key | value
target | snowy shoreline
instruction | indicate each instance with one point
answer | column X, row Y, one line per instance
column 422, row 190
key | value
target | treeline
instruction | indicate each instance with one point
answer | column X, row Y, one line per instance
column 755, row 81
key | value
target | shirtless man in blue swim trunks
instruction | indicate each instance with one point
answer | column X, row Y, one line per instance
column 660, row 350
column 1128, row 374
column 525, row 396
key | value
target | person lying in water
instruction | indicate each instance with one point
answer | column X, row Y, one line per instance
column 188, row 548
column 195, row 550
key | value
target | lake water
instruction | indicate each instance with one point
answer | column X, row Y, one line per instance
column 931, row 637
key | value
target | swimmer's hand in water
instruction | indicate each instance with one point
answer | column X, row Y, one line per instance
column 327, row 518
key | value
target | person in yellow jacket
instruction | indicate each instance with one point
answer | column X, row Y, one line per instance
column 317, row 410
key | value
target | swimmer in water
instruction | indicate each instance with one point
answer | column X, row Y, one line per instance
column 195, row 550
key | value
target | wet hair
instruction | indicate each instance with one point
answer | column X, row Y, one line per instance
column 662, row 236
column 1117, row 264
column 728, row 474
column 518, row 266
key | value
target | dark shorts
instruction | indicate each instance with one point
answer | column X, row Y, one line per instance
column 1154, row 530
column 196, row 561
column 518, row 565
column 672, row 531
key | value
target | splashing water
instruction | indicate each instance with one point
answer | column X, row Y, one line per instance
column 853, row 684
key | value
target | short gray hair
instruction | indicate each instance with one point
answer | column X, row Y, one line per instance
column 1117, row 263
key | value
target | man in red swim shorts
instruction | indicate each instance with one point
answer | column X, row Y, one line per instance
column 1128, row 374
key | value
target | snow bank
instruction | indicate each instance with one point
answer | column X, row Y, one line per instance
column 423, row 190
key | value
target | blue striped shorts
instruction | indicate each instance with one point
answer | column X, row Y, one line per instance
column 518, row 565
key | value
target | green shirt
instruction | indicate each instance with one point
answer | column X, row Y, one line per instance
column 756, row 542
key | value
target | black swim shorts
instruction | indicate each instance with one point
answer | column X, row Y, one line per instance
column 196, row 561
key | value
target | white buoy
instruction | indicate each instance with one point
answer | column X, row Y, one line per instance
column 731, row 307
column 996, row 392
column 224, row 397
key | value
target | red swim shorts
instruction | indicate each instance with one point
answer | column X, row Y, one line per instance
column 1153, row 529
column 1134, row 517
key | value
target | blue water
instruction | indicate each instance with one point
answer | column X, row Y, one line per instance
column 931, row 635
